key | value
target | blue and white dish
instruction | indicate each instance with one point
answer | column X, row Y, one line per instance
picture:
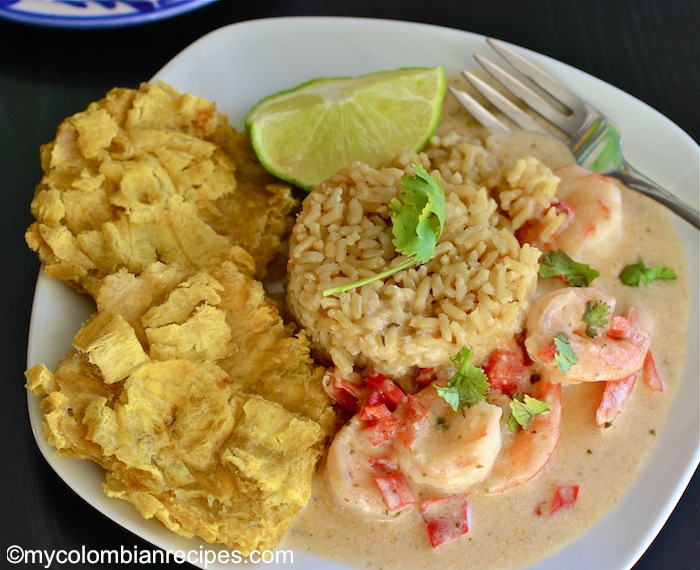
column 87, row 14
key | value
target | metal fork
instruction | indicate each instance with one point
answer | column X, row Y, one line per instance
column 593, row 138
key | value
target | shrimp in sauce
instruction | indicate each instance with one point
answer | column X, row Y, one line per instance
column 596, row 206
column 353, row 465
column 525, row 451
column 613, row 351
column 447, row 450
column 430, row 444
column 593, row 207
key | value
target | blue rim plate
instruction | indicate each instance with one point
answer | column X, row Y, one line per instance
column 88, row 14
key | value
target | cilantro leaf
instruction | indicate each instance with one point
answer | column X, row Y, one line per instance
column 558, row 264
column 419, row 220
column 596, row 317
column 417, row 224
column 564, row 355
column 522, row 411
column 468, row 386
column 633, row 275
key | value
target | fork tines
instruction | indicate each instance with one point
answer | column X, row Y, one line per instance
column 520, row 91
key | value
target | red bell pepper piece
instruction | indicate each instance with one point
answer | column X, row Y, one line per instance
column 425, row 376
column 413, row 413
column 564, row 496
column 617, row 327
column 384, row 389
column 374, row 412
column 343, row 391
column 445, row 518
column 506, row 369
column 650, row 374
column 395, row 490
column 383, row 463
column 381, row 430
column 615, row 397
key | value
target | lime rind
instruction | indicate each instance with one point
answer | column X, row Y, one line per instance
column 305, row 134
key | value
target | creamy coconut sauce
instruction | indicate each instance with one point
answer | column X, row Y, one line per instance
column 505, row 531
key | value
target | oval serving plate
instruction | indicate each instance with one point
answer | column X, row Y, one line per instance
column 94, row 13
column 286, row 51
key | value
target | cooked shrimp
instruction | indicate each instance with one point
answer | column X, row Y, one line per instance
column 614, row 350
column 526, row 453
column 592, row 208
column 447, row 450
column 352, row 467
column 596, row 208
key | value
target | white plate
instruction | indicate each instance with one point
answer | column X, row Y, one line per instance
column 94, row 13
column 237, row 65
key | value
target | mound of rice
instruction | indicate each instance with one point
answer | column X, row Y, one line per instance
column 475, row 290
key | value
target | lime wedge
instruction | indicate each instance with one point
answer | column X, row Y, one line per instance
column 306, row 134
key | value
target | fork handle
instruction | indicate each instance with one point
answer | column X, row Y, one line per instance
column 631, row 177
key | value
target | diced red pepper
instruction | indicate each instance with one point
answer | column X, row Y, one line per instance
column 381, row 430
column 374, row 399
column 343, row 391
column 548, row 352
column 445, row 518
column 383, row 463
column 392, row 393
column 374, row 412
column 395, row 490
column 564, row 496
column 413, row 412
column 651, row 375
column 615, row 397
column 506, row 369
column 382, row 389
column 618, row 326
column 425, row 376
column 374, row 380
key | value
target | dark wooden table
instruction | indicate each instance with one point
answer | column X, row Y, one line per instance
column 651, row 49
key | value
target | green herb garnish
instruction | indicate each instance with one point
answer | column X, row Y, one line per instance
column 564, row 355
column 596, row 317
column 559, row 264
column 417, row 224
column 468, row 386
column 522, row 411
column 637, row 273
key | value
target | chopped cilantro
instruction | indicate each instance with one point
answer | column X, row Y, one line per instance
column 417, row 224
column 522, row 411
column 564, row 355
column 637, row 273
column 559, row 264
column 596, row 317
column 468, row 386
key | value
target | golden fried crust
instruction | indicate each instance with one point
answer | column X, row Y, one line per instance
column 152, row 175
column 205, row 410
